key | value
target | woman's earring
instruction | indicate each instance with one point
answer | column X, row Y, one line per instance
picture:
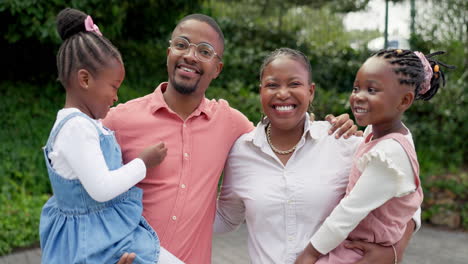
column 264, row 119
column 311, row 109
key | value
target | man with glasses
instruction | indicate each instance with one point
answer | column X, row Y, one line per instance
column 179, row 198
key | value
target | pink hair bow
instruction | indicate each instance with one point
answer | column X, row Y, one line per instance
column 90, row 26
column 426, row 85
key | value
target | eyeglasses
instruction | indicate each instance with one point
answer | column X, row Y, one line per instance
column 203, row 51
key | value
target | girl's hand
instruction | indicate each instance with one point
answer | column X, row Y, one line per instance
column 344, row 124
column 127, row 258
column 373, row 253
column 153, row 155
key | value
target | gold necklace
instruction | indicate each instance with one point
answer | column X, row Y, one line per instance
column 281, row 152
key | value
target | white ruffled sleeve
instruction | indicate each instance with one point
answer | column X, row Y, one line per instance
column 396, row 161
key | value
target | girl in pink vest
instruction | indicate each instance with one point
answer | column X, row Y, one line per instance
column 384, row 189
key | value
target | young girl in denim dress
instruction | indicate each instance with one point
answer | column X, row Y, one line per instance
column 95, row 214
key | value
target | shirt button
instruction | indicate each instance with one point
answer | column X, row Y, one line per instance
column 185, row 125
column 186, row 155
column 182, row 186
column 174, row 217
column 290, row 238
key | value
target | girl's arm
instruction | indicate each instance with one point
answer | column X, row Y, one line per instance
column 79, row 144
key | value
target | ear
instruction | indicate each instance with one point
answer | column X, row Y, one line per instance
column 219, row 68
column 312, row 92
column 83, row 78
column 406, row 101
column 168, row 51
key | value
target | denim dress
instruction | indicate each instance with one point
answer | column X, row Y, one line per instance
column 74, row 228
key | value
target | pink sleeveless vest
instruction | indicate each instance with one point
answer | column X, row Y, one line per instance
column 386, row 224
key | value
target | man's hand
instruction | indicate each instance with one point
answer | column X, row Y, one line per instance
column 373, row 253
column 127, row 258
column 344, row 125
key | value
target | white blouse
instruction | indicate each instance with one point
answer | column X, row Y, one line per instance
column 283, row 206
column 77, row 155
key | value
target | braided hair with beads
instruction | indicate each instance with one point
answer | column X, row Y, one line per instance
column 81, row 48
column 411, row 71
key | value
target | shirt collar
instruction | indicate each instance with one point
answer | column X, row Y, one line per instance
column 258, row 136
column 158, row 103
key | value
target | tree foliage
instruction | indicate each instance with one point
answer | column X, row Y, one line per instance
column 30, row 41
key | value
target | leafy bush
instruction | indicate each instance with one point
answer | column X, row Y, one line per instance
column 20, row 217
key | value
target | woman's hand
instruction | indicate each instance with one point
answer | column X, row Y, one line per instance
column 373, row 253
column 309, row 256
column 344, row 125
column 127, row 258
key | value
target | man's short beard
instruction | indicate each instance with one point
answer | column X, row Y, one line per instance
column 184, row 89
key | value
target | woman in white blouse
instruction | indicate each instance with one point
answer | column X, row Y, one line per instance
column 285, row 177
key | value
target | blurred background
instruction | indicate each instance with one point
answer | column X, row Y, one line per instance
column 337, row 36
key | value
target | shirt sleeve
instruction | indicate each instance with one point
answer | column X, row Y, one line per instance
column 110, row 120
column 240, row 122
column 230, row 209
column 86, row 159
column 378, row 183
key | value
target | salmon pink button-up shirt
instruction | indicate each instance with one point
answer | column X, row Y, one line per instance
column 179, row 199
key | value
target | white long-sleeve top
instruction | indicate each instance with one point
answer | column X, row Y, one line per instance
column 77, row 155
column 386, row 173
column 283, row 206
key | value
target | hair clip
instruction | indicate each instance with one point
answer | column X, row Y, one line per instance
column 436, row 68
column 91, row 27
column 398, row 51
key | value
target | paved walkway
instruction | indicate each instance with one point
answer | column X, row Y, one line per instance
column 428, row 246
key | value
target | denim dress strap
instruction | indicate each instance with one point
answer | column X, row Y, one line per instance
column 59, row 126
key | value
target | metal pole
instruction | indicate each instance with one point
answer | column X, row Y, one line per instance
column 386, row 25
column 413, row 14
